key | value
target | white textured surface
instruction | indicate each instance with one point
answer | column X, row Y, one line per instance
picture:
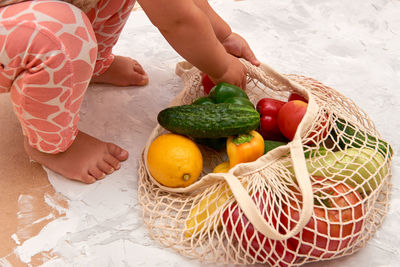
column 352, row 46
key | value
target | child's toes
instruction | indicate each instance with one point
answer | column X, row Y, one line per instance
column 105, row 167
column 88, row 179
column 97, row 173
column 139, row 79
column 139, row 76
column 138, row 68
column 114, row 162
column 117, row 152
column 145, row 80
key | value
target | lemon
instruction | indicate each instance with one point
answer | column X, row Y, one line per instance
column 174, row 160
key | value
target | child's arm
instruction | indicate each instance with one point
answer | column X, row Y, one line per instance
column 189, row 31
column 233, row 43
column 221, row 28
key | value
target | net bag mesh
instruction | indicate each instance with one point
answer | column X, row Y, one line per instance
column 320, row 197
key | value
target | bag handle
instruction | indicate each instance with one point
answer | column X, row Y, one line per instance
column 253, row 213
column 242, row 197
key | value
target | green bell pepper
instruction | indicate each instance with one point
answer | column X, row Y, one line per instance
column 223, row 91
column 204, row 100
column 239, row 100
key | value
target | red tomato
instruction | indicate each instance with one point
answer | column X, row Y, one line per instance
column 253, row 241
column 335, row 224
column 294, row 96
column 269, row 109
column 207, row 84
column 290, row 116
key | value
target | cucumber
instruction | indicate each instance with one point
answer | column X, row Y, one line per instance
column 209, row 121
column 349, row 136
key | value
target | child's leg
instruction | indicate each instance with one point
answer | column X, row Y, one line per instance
column 108, row 19
column 47, row 54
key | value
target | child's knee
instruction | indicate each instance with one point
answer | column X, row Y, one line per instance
column 35, row 53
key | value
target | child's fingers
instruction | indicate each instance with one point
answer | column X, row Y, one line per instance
column 249, row 56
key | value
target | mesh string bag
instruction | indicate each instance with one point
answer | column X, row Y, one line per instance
column 321, row 196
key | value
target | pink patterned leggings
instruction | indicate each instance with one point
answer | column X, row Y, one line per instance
column 49, row 51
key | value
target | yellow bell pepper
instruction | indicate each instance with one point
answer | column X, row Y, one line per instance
column 222, row 167
column 244, row 148
column 205, row 208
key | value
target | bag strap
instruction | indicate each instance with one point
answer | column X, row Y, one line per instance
column 253, row 213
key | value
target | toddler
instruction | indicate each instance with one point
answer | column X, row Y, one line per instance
column 51, row 50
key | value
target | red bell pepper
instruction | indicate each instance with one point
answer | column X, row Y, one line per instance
column 207, row 83
column 269, row 109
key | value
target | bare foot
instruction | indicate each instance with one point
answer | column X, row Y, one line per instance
column 87, row 159
column 123, row 71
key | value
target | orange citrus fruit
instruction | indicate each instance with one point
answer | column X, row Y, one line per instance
column 174, row 160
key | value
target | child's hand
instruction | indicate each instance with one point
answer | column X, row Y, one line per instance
column 194, row 30
column 235, row 74
column 237, row 46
